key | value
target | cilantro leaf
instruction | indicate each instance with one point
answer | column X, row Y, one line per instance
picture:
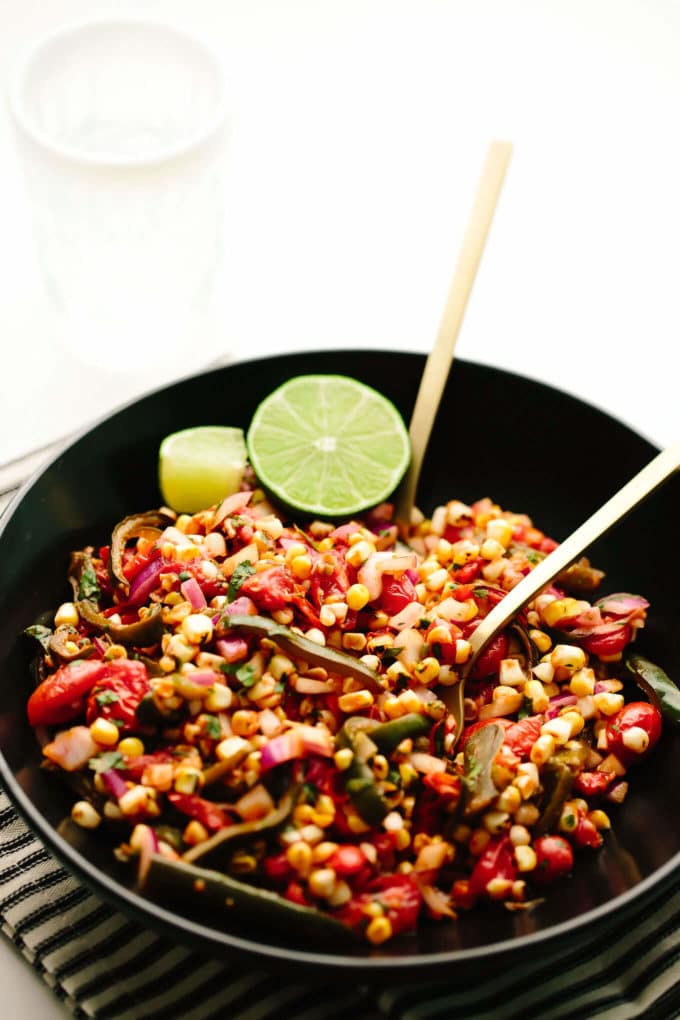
column 184, row 576
column 212, row 726
column 243, row 571
column 88, row 587
column 107, row 760
column 107, row 698
column 246, row 675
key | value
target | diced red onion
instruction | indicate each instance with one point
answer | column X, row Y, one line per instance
column 202, row 677
column 558, row 702
column 413, row 576
column 114, row 783
column 622, row 603
column 315, row 740
column 617, row 793
column 285, row 747
column 254, row 804
column 232, row 649
column 99, row 645
column 242, row 606
column 148, row 579
column 231, row 505
column 191, row 590
column 145, row 842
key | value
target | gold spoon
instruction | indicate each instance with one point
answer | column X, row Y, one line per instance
column 438, row 364
column 614, row 510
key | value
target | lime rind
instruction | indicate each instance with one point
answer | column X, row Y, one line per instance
column 328, row 445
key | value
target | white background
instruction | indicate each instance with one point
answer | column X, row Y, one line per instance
column 358, row 131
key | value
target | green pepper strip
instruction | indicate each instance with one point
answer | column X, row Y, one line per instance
column 128, row 528
column 360, row 781
column 245, row 832
column 557, row 780
column 389, row 735
column 143, row 633
column 57, row 645
column 480, row 750
column 303, row 648
column 178, row 881
column 40, row 634
column 659, row 687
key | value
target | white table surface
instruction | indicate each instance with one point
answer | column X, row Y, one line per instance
column 359, row 128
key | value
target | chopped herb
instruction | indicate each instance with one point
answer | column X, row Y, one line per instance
column 394, row 777
column 307, row 538
column 526, row 710
column 534, row 556
column 239, row 521
column 106, row 698
column 390, row 655
column 107, row 760
column 279, row 687
column 212, row 726
column 246, row 675
column 423, row 622
column 473, row 771
column 243, row 571
column 309, row 793
column 480, row 593
column 185, row 575
column 88, row 587
column 569, row 819
column 229, row 668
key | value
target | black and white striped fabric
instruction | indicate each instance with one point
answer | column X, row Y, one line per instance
column 105, row 966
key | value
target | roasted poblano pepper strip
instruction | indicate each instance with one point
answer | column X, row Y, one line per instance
column 145, row 632
column 557, row 778
column 302, row 648
column 389, row 735
column 360, row 781
column 132, row 527
column 169, row 881
column 62, row 637
column 40, row 634
column 480, row 750
column 659, row 687
column 223, row 842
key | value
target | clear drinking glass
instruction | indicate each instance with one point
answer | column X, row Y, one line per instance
column 121, row 125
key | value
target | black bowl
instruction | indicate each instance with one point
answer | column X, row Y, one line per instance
column 531, row 448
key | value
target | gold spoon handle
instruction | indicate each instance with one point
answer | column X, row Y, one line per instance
column 614, row 510
column 438, row 364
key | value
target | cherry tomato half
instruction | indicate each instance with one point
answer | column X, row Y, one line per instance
column 639, row 715
column 554, row 857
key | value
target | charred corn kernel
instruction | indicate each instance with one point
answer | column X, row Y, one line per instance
column 635, row 739
column 582, row 683
column 491, row 549
column 464, row 551
column 355, row 701
column 569, row 657
column 600, row 819
column 303, row 814
column 439, row 635
column 299, row 856
column 134, row 801
column 294, row 550
column 343, row 758
column 379, row 930
column 559, row 729
column 393, row 822
column 407, row 772
column 511, row 673
column 525, row 857
column 527, row 814
column 402, row 839
column 478, row 842
column 280, row 666
column 369, row 852
column 301, row 567
column 322, row 851
column 188, row 552
column 427, row 670
column 495, row 822
column 180, row 649
column 526, row 780
column 104, row 732
column 353, row 641
column 356, row 824
column 463, row 651
column 195, row 833
column 381, row 766
column 541, row 640
column 114, row 652
column 392, row 707
column 502, row 692
column 447, row 676
column 327, row 616
column 437, row 579
column 131, row 747
column 66, row 615
column 575, row 720
column 245, row 723
column 458, row 513
column 232, row 749
column 341, row 894
column 397, row 670
column 379, row 642
column 498, row 888
column 410, row 701
column 84, row 815
column 608, row 704
column 569, row 817
column 357, row 597
column 443, row 551
column 544, row 672
column 188, row 779
column 219, row 699
column 519, row 835
column 543, row 749
column 272, row 526
column 555, row 610
column 167, row 663
column 321, row 882
column 284, row 616
column 359, row 553
column 509, row 800
column 112, row 811
column 311, row 834
column 197, row 628
column 535, row 692
column 215, row 545
column 315, row 635
column 492, row 570
column 500, row 530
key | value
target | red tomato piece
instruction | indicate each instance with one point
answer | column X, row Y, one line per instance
column 470, row 572
column 639, row 714
column 521, row 736
column 347, row 860
column 277, row 868
column 296, row 894
column 554, row 857
column 324, row 583
column 469, row 730
column 117, row 693
column 204, row 811
column 585, row 834
column 396, row 593
column 397, row 894
column 497, row 861
column 444, row 784
column 271, row 589
column 60, row 697
column 608, row 644
column 592, row 784
column 489, row 661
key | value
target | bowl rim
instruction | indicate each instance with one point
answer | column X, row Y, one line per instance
column 158, row 916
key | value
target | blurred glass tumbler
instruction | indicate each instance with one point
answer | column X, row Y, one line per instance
column 122, row 129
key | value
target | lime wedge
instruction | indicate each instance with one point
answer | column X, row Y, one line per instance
column 198, row 467
column 328, row 445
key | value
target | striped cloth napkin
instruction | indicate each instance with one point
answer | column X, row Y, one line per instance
column 105, row 966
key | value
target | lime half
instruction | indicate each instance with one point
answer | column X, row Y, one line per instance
column 328, row 445
column 198, row 467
